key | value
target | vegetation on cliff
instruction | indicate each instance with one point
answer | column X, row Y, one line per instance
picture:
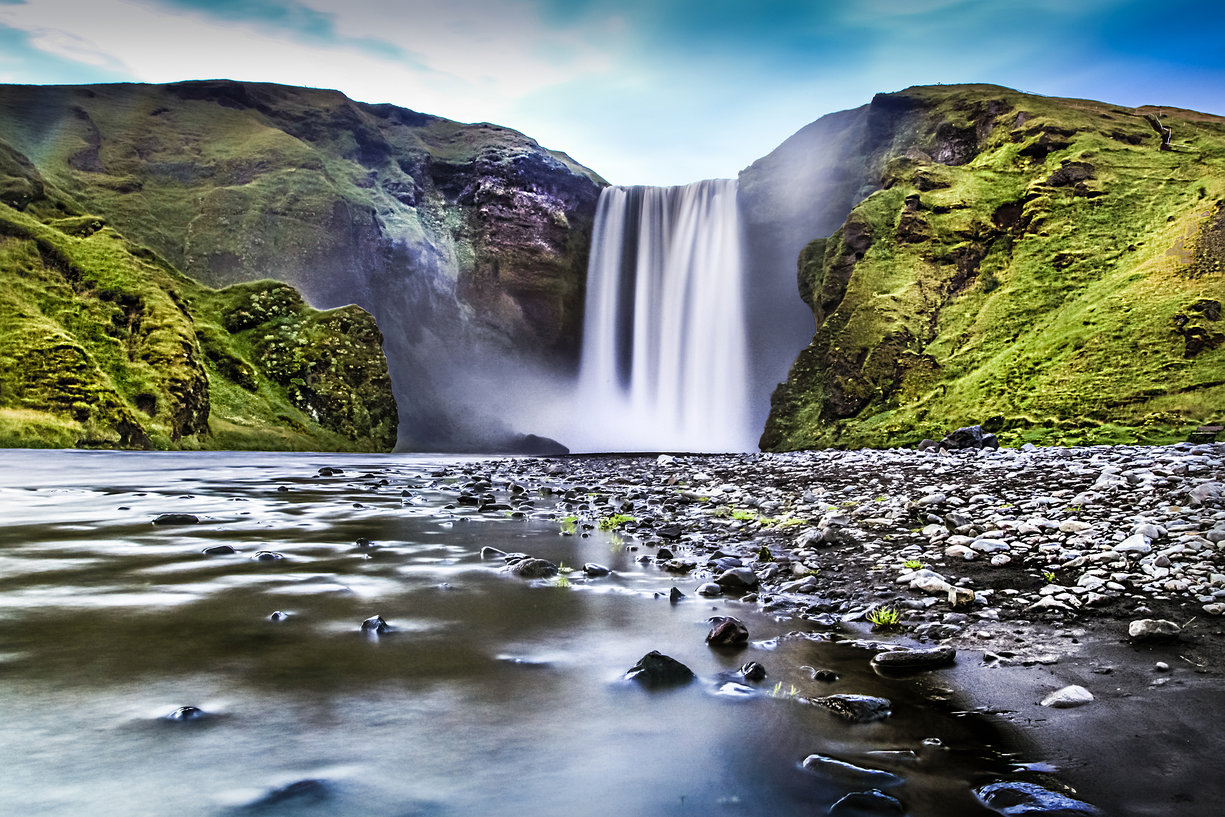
column 105, row 344
column 1039, row 265
column 464, row 241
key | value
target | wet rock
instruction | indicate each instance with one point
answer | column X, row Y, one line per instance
column 330, row 472
column 531, row 568
column 915, row 659
column 176, row 519
column 867, row 804
column 710, row 590
column 267, row 556
column 1149, row 629
column 1020, row 799
column 671, row 532
column 1068, row 697
column 363, row 542
column 727, row 632
column 278, row 615
column 218, row 550
column 844, row 772
column 753, row 671
column 299, row 791
column 376, row 625
column 656, row 670
column 186, row 714
column 856, row 708
column 737, row 579
column 595, row 570
column 675, row 595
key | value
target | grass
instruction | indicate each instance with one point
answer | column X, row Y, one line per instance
column 614, row 522
column 912, row 564
column 884, row 618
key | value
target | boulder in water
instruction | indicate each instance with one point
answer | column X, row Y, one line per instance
column 176, row 519
column 656, row 670
column 1021, row 799
column 856, row 708
column 727, row 631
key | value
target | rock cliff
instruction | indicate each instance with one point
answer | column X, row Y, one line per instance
column 1039, row 265
column 468, row 243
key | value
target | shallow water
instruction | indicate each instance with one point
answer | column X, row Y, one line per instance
column 492, row 696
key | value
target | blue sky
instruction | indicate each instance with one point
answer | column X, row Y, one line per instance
column 642, row 91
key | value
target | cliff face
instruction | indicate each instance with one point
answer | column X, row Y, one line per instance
column 105, row 344
column 1036, row 264
column 464, row 241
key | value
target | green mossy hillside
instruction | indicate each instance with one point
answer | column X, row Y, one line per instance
column 1038, row 265
column 104, row 344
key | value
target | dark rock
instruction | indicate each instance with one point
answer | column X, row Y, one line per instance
column 278, row 615
column 330, row 472
column 537, row 446
column 967, row 437
column 363, row 542
column 866, row 804
column 267, row 556
column 675, row 595
column 300, row 791
column 1070, row 173
column 218, row 550
column 753, row 671
column 176, row 519
column 737, row 579
column 531, row 568
column 672, row 532
column 827, row 676
column 914, row 659
column 376, row 625
column 856, row 708
column 593, row 569
column 186, row 713
column 1020, row 799
column 929, row 445
column 727, row 632
column 656, row 670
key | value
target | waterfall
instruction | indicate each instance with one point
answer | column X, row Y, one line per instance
column 665, row 363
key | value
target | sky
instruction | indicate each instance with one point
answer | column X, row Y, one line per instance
column 641, row 91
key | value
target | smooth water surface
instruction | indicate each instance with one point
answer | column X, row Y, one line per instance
column 492, row 696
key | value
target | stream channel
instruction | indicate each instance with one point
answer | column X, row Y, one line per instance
column 492, row 695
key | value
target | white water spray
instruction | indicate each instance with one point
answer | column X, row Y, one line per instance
column 665, row 361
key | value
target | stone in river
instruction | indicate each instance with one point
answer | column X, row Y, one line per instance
column 675, row 595
column 218, row 550
column 737, row 579
column 864, row 803
column 1149, row 629
column 727, row 632
column 672, row 532
column 593, row 569
column 1015, row 798
column 176, row 519
column 856, row 708
column 278, row 615
column 914, row 659
column 531, row 568
column 268, row 556
column 299, row 791
column 753, row 671
column 376, row 625
column 186, row 713
column 710, row 589
column 330, row 472
column 1068, row 697
column 849, row 773
column 656, row 670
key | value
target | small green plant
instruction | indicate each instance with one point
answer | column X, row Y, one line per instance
column 884, row 618
column 1049, row 576
column 563, row 575
column 569, row 525
column 780, row 692
column 614, row 522
column 912, row 564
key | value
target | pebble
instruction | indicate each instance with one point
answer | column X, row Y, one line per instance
column 1068, row 697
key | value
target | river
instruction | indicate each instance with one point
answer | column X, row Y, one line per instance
column 490, row 695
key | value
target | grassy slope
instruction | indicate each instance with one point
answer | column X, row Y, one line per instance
column 102, row 343
column 1055, row 308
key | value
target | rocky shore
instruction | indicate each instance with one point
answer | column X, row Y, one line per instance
column 1082, row 588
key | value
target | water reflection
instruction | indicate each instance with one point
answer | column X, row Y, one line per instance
column 489, row 694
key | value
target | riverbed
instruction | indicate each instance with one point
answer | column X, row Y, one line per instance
column 143, row 676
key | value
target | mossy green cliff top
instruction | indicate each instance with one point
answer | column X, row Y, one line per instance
column 105, row 344
column 1039, row 265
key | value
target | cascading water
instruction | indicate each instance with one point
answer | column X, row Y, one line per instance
column 665, row 360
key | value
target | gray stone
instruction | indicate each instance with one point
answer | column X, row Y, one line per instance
column 1150, row 629
column 856, row 708
column 1068, row 697
column 912, row 659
